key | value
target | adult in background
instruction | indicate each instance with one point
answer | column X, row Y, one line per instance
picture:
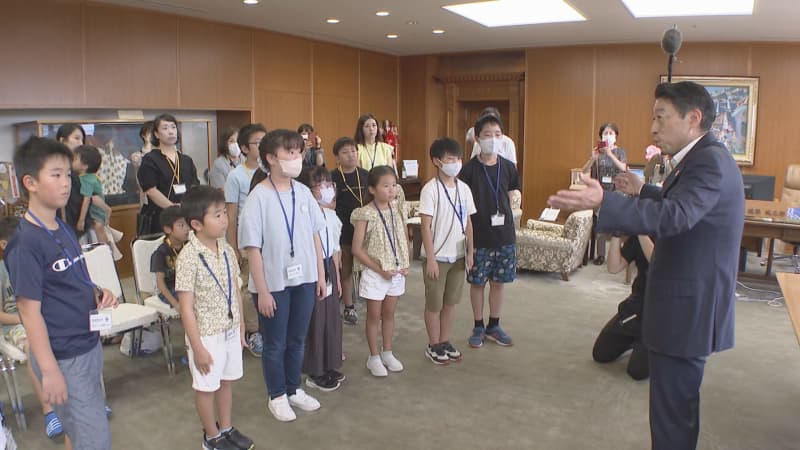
column 228, row 157
column 696, row 219
column 608, row 160
column 505, row 147
column 313, row 153
column 165, row 175
column 371, row 151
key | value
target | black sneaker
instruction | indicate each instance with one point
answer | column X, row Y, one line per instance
column 437, row 354
column 238, row 439
column 324, row 383
column 218, row 443
column 451, row 351
column 336, row 375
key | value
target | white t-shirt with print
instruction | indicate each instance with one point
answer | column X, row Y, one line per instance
column 448, row 232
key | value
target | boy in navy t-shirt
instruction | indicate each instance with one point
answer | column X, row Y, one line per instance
column 55, row 296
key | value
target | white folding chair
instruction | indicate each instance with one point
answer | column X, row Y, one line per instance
column 126, row 316
column 8, row 366
column 142, row 248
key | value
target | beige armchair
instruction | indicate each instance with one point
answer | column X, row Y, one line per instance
column 549, row 247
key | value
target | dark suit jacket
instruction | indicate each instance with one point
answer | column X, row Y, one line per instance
column 697, row 220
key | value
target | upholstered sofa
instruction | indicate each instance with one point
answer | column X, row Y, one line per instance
column 550, row 247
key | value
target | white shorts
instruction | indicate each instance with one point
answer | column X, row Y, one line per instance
column 226, row 356
column 375, row 287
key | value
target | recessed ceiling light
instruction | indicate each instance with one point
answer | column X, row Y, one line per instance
column 677, row 8
column 382, row 13
column 331, row 20
column 504, row 13
column 250, row 2
column 392, row 36
column 438, row 31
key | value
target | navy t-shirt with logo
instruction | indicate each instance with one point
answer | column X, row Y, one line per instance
column 40, row 270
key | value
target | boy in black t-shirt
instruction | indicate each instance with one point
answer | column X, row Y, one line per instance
column 56, row 298
column 162, row 263
column 351, row 193
column 491, row 178
column 624, row 330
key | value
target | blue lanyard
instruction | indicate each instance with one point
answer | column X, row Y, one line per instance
column 289, row 229
column 374, row 154
column 386, row 228
column 459, row 212
column 84, row 274
column 494, row 188
column 326, row 250
column 214, row 276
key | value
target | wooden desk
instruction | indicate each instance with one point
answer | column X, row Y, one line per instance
column 754, row 228
column 412, row 187
column 790, row 286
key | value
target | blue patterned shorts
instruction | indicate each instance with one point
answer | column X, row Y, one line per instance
column 497, row 264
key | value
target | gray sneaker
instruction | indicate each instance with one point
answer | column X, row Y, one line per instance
column 350, row 316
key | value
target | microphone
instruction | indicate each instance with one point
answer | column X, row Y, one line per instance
column 671, row 43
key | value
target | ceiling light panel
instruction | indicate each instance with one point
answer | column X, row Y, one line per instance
column 505, row 13
column 680, row 8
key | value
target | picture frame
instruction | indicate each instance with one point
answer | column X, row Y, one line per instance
column 736, row 100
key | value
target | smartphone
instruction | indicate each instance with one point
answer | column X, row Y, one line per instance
column 602, row 144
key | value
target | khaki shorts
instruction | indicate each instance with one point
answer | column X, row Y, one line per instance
column 447, row 290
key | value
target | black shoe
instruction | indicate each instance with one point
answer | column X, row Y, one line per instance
column 599, row 261
column 238, row 439
column 437, row 354
column 218, row 443
column 451, row 351
column 324, row 383
column 336, row 375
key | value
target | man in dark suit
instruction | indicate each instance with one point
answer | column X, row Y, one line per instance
column 697, row 220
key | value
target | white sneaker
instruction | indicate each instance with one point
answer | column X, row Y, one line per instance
column 376, row 367
column 391, row 363
column 303, row 401
column 279, row 407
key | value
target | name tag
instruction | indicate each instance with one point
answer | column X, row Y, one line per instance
column 606, row 180
column 179, row 189
column 498, row 220
column 99, row 320
column 230, row 334
column 295, row 271
column 328, row 290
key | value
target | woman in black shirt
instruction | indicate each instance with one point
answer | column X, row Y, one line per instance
column 165, row 175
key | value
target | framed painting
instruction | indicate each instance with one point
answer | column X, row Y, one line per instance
column 736, row 100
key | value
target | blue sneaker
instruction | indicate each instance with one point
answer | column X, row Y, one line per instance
column 108, row 411
column 499, row 336
column 478, row 335
column 52, row 425
column 255, row 343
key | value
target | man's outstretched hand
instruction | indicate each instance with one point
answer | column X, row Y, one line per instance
column 628, row 182
column 589, row 198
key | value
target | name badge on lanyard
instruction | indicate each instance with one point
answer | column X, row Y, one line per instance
column 99, row 320
column 179, row 189
column 294, row 271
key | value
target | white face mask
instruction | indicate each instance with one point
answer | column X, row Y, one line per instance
column 291, row 168
column 487, row 146
column 234, row 150
column 451, row 169
column 327, row 193
column 610, row 139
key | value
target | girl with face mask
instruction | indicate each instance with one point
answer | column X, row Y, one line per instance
column 323, row 354
column 280, row 230
column 228, row 157
column 608, row 159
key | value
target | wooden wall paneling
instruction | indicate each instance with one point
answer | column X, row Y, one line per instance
column 558, row 116
column 335, row 81
column 626, row 77
column 42, row 54
column 378, row 85
column 131, row 58
column 226, row 119
column 777, row 141
column 282, row 109
column 435, row 115
column 413, row 109
column 483, row 62
column 215, row 65
column 711, row 59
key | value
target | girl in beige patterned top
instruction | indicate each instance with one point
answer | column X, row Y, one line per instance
column 380, row 246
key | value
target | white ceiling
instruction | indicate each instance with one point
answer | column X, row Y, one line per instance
column 608, row 22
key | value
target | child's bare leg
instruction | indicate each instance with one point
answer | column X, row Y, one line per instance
column 204, row 402
column 224, row 398
column 388, row 306
column 100, row 231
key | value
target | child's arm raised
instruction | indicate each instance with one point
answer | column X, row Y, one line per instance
column 360, row 230
column 202, row 358
column 161, row 284
column 54, row 388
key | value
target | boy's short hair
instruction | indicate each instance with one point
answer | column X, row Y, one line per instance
column 445, row 146
column 343, row 142
column 196, row 202
column 170, row 215
column 248, row 130
column 8, row 225
column 90, row 156
column 486, row 120
column 31, row 155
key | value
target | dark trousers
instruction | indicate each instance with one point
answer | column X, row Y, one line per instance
column 284, row 338
column 675, row 401
column 615, row 339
